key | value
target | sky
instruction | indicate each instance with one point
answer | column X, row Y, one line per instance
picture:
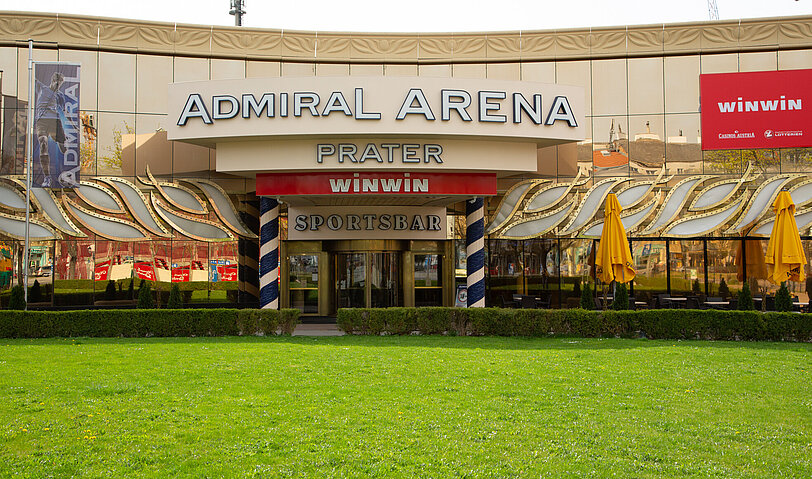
column 420, row 15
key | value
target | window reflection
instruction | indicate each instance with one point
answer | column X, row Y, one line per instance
column 687, row 267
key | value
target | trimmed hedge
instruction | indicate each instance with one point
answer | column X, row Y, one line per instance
column 654, row 324
column 134, row 323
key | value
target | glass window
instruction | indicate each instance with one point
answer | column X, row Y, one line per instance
column 574, row 269
column 88, row 75
column 304, row 283
column 609, row 87
column 540, row 268
column 645, row 85
column 796, row 160
column 117, row 82
column 504, row 271
column 149, row 147
column 687, row 267
column 610, row 146
column 384, row 280
column 428, row 277
column 154, row 73
column 577, row 73
column 724, row 267
column 646, row 144
column 115, row 143
column 681, row 84
column 683, row 151
column 651, row 267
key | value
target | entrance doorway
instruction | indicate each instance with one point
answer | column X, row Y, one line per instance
column 369, row 279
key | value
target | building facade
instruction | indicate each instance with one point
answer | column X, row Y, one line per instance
column 169, row 197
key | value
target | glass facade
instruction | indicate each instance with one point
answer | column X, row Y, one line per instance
column 642, row 121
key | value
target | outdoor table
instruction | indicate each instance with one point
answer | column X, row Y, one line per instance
column 679, row 302
column 717, row 304
column 802, row 306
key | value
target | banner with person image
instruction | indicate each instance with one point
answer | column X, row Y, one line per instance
column 56, row 161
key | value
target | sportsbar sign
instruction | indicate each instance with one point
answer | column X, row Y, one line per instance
column 756, row 110
column 396, row 183
column 366, row 222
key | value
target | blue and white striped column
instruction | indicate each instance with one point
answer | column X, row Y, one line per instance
column 475, row 251
column 268, row 253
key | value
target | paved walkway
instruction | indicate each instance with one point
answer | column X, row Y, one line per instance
column 317, row 330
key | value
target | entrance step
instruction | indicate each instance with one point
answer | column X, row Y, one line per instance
column 309, row 329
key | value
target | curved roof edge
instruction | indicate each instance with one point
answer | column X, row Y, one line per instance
column 110, row 34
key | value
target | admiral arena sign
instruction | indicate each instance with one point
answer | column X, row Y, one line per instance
column 770, row 109
column 375, row 122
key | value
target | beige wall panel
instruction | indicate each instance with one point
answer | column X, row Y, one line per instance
column 434, row 47
column 794, row 59
column 192, row 40
column 569, row 43
column 504, row 71
column 157, row 38
column 257, row 69
column 89, row 72
column 609, row 87
column 716, row 36
column 298, row 69
column 795, row 31
column 117, row 82
column 470, row 70
column 538, row 71
column 758, row 33
column 390, row 47
column 645, row 39
column 576, row 73
column 22, row 67
column 504, row 45
column 332, row 69
column 231, row 40
column 436, row 71
column 645, row 85
column 154, row 74
column 299, row 45
column 227, row 69
column 726, row 63
column 469, row 47
column 681, row 84
column 395, row 70
column 191, row 69
column 681, row 38
column 363, row 70
column 191, row 159
column 758, row 61
column 8, row 63
column 604, row 41
column 538, row 45
column 334, row 46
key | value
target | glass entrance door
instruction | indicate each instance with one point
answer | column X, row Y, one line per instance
column 368, row 280
column 385, row 280
column 351, row 279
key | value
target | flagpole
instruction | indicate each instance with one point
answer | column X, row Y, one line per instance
column 28, row 154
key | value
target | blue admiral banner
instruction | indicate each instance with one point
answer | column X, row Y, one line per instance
column 56, row 125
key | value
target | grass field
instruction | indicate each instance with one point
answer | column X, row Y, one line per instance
column 404, row 407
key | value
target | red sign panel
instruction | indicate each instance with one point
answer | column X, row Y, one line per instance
column 340, row 183
column 227, row 272
column 180, row 275
column 144, row 271
column 101, row 271
column 756, row 110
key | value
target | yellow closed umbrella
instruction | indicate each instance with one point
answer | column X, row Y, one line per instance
column 614, row 259
column 785, row 254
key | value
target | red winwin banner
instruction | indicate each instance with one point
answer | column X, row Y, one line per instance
column 227, row 272
column 144, row 271
column 180, row 275
column 376, row 183
column 101, row 271
column 756, row 110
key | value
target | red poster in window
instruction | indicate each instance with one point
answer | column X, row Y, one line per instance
column 180, row 275
column 145, row 271
column 101, row 271
column 756, row 110
column 227, row 272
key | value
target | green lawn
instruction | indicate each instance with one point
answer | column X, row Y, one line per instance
column 404, row 407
